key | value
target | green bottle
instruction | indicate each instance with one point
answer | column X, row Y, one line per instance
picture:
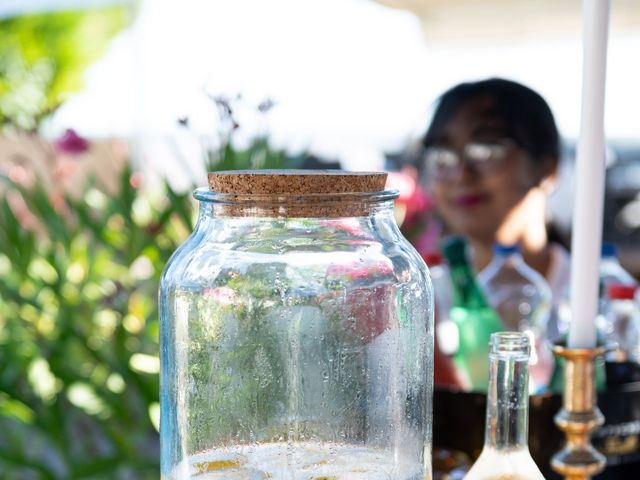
column 471, row 314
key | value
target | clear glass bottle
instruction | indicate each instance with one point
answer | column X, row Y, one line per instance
column 472, row 318
column 522, row 298
column 505, row 455
column 296, row 334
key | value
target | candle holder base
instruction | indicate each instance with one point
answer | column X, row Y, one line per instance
column 579, row 416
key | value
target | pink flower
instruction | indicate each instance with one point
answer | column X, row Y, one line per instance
column 429, row 238
column 18, row 206
column 350, row 226
column 59, row 203
column 356, row 271
column 71, row 143
column 413, row 202
column 21, row 176
column 65, row 168
column 136, row 180
column 224, row 296
column 402, row 182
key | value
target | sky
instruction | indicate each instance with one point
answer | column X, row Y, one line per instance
column 9, row 8
column 351, row 79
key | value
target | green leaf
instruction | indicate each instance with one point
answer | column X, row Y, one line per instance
column 43, row 58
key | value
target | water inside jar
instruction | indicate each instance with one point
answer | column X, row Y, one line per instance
column 301, row 461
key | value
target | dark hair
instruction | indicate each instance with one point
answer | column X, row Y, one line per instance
column 526, row 115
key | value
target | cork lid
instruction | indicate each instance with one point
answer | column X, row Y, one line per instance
column 295, row 182
column 297, row 193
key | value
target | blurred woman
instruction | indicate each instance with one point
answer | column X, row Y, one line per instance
column 490, row 160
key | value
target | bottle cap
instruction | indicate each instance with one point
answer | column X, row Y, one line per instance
column 295, row 182
column 454, row 249
column 608, row 250
column 500, row 249
column 619, row 291
column 297, row 193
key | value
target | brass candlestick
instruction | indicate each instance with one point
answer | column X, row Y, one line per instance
column 579, row 415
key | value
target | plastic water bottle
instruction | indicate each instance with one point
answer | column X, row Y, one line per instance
column 621, row 334
column 623, row 324
column 610, row 270
column 522, row 298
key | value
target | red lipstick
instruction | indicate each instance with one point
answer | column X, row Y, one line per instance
column 468, row 201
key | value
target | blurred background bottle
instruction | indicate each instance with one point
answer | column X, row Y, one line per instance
column 441, row 280
column 445, row 373
column 446, row 332
column 621, row 332
column 472, row 318
column 610, row 269
column 522, row 298
column 506, row 450
column 611, row 272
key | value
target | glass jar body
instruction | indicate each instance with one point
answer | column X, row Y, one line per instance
column 296, row 347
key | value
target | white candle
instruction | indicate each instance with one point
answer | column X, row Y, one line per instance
column 590, row 168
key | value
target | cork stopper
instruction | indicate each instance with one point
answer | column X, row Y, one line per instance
column 295, row 182
column 296, row 193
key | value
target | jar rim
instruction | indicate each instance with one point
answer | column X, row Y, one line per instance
column 204, row 194
column 296, row 205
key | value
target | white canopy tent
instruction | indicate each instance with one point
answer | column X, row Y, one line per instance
column 352, row 78
column 501, row 20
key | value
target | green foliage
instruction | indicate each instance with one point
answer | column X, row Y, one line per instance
column 78, row 298
column 259, row 154
column 79, row 324
column 79, row 331
column 43, row 59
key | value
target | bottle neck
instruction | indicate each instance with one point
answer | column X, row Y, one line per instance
column 510, row 259
column 507, row 402
column 466, row 292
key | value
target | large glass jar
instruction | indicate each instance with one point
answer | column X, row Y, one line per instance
column 296, row 334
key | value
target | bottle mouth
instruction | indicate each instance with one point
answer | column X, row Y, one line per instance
column 608, row 250
column 510, row 344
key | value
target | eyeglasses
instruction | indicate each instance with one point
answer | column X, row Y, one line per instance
column 441, row 163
